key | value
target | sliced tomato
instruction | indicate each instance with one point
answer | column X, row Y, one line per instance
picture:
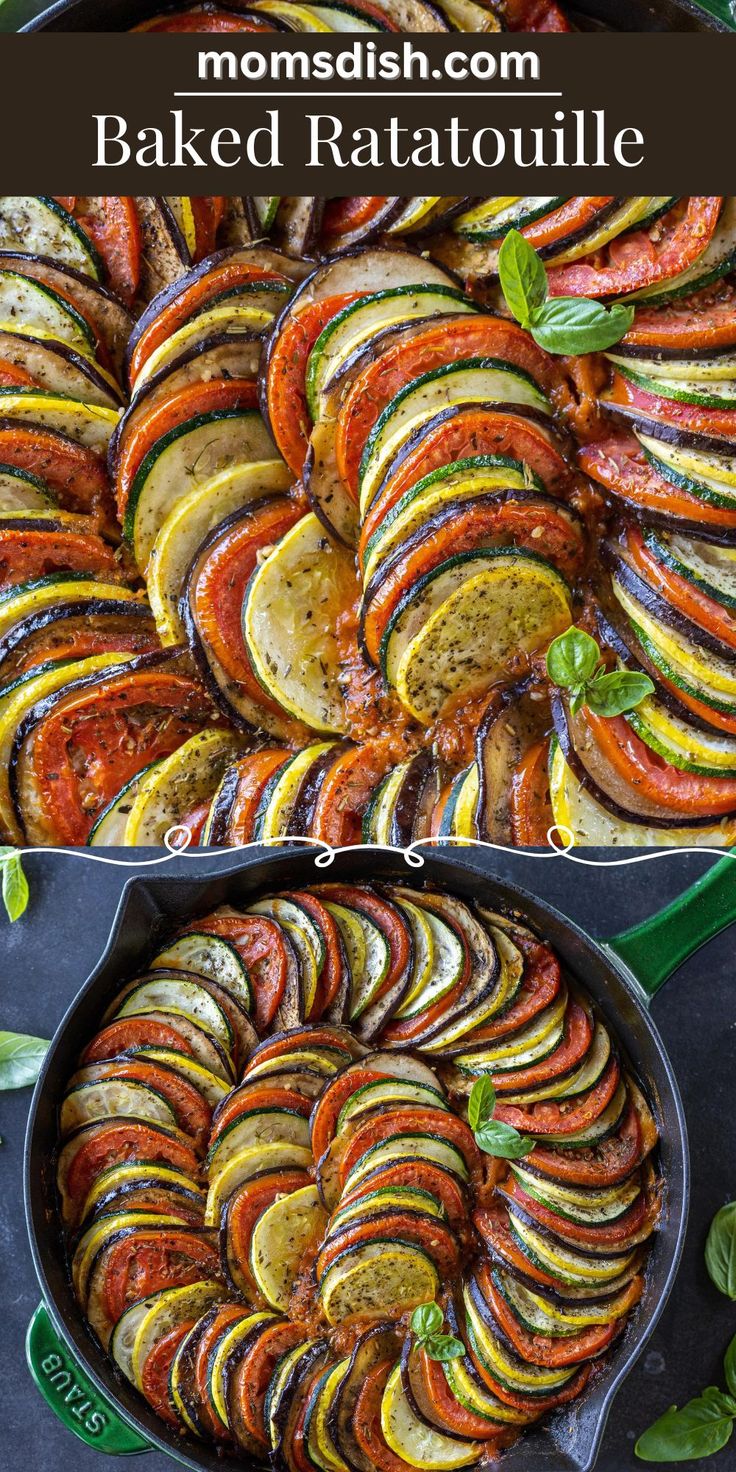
column 605, row 1164
column 552, row 1118
column 523, row 1402
column 679, row 591
column 384, row 377
column 345, row 792
column 658, row 407
column 614, row 1235
column 570, row 217
column 406, row 1031
column 500, row 520
column 686, row 325
column 345, row 214
column 389, row 920
column 213, row 1330
column 250, row 1096
column 424, row 1175
column 288, row 414
column 260, row 942
column 444, row 1408
column 540, row 1349
column 461, row 433
column 75, row 474
column 426, row 1231
column 325, row 1114
column 13, row 376
column 27, row 554
column 529, row 800
column 412, row 1120
column 246, row 1205
column 79, row 637
column 118, row 1142
column 335, row 962
column 619, row 464
column 134, row 1032
column 151, row 424
column 187, row 300
column 297, row 1038
column 651, row 777
column 492, row 1224
column 254, row 1372
column 218, row 589
column 155, row 1372
column 140, row 1263
column 569, row 1055
column 207, row 213
column 202, row 20
column 254, row 773
column 193, row 1114
column 195, row 821
column 541, row 984
column 367, row 1421
column 90, row 741
column 643, row 257
column 112, row 225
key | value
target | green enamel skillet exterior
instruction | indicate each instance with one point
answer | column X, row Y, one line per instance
column 644, row 956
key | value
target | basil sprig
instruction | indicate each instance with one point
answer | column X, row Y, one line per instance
column 720, row 1250
column 492, row 1135
column 426, row 1323
column 14, row 882
column 21, row 1057
column 561, row 324
column 574, row 664
column 705, row 1424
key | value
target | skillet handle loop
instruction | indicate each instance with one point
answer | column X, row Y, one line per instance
column 655, row 949
column 71, row 1395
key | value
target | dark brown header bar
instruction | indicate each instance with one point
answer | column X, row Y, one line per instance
column 330, row 115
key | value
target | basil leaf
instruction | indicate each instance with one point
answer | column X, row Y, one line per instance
column 444, row 1347
column 729, row 1366
column 523, row 277
column 572, row 658
column 21, row 1057
column 720, row 1250
column 700, row 1428
column 427, row 1320
column 15, row 886
column 481, row 1103
column 497, row 1138
column 612, row 694
column 577, row 324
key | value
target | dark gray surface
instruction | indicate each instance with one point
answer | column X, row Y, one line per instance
column 45, row 957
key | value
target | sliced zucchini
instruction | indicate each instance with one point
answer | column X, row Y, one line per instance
column 370, row 1278
column 21, row 490
column 414, row 1440
column 109, row 828
column 253, row 1128
column 212, row 956
column 710, row 568
column 103, row 1098
column 290, row 615
column 37, row 225
column 145, row 1322
column 89, row 425
column 275, row 813
column 279, row 1240
column 367, row 951
column 446, row 963
column 171, row 789
column 493, row 218
column 162, row 993
column 399, row 1146
column 271, row 1155
column 31, row 307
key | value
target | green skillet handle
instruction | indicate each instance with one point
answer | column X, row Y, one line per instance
column 654, row 949
column 71, row 1395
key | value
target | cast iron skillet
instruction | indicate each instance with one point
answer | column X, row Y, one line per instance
column 611, row 15
column 72, row 1371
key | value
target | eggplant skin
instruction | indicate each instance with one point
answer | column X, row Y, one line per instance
column 505, row 734
column 660, row 607
column 670, row 434
column 616, row 633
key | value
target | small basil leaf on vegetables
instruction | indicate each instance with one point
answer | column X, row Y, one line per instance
column 21, row 1057
column 720, row 1250
column 14, row 883
column 492, row 1135
column 426, row 1323
column 523, row 277
column 574, row 664
column 620, row 690
column 560, row 324
column 570, row 324
column 698, row 1429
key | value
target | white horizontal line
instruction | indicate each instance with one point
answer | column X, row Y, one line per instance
column 327, row 95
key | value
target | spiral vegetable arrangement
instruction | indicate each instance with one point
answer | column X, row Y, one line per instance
column 356, row 1176
column 292, row 511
